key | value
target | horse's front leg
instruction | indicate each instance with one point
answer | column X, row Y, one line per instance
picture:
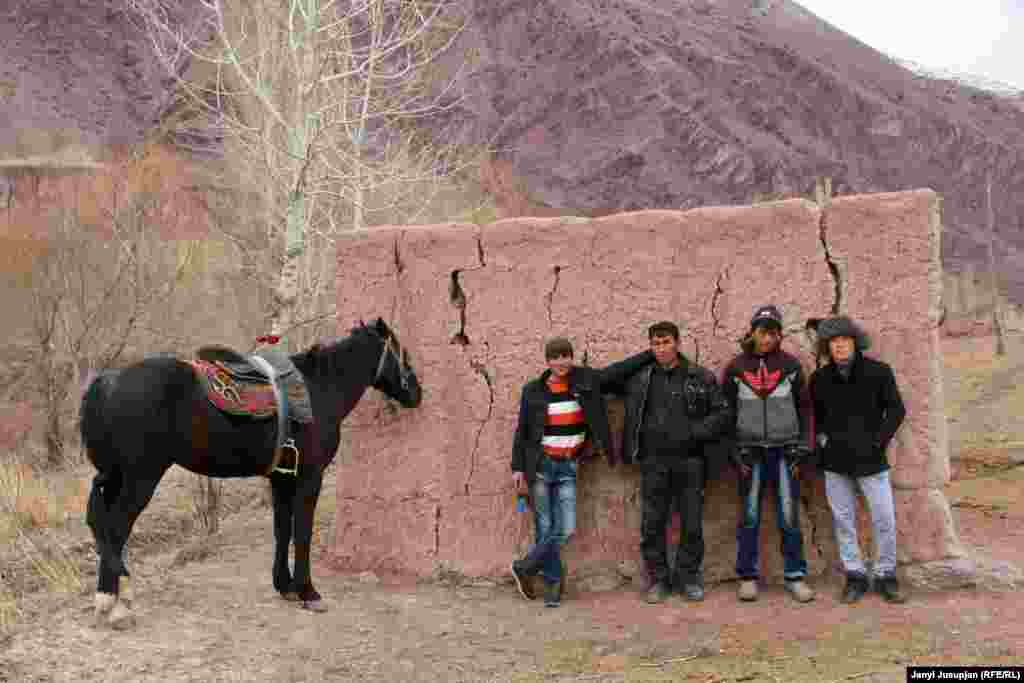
column 283, row 490
column 305, row 508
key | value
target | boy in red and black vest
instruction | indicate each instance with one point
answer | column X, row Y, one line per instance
column 765, row 387
column 559, row 412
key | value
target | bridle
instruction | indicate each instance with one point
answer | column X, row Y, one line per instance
column 404, row 371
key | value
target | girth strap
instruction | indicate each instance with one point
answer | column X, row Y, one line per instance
column 282, row 415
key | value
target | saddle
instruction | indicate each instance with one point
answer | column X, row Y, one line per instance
column 257, row 386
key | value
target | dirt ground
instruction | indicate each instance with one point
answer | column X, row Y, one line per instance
column 206, row 611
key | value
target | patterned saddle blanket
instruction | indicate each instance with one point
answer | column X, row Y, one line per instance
column 237, row 389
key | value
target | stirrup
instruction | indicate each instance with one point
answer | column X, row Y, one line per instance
column 290, row 443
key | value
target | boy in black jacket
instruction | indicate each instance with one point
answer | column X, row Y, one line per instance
column 764, row 386
column 857, row 410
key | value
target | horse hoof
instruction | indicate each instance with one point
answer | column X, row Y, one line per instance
column 290, row 596
column 104, row 604
column 317, row 606
column 121, row 617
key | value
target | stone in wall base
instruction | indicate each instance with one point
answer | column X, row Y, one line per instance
column 951, row 573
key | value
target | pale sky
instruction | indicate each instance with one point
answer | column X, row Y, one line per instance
column 982, row 37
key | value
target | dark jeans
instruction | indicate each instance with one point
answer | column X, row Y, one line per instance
column 772, row 470
column 664, row 480
column 554, row 506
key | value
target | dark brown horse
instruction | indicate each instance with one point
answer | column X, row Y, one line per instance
column 138, row 421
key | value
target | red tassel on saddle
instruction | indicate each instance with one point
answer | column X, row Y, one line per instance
column 268, row 339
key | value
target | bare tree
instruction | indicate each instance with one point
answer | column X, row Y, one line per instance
column 321, row 101
column 88, row 298
column 997, row 325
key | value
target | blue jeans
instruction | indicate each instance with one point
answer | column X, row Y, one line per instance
column 772, row 469
column 554, row 510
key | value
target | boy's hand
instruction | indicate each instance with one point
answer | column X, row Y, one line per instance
column 743, row 453
column 519, row 481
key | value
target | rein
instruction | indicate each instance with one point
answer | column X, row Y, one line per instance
column 403, row 368
column 384, row 353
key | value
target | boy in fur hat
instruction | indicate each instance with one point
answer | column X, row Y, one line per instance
column 857, row 410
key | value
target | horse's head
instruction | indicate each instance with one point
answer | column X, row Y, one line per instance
column 395, row 376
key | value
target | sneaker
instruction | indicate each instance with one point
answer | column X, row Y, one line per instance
column 748, row 590
column 693, row 592
column 552, row 594
column 522, row 578
column 889, row 588
column 657, row 593
column 856, row 587
column 800, row 591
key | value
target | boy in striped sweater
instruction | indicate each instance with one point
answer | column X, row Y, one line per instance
column 559, row 412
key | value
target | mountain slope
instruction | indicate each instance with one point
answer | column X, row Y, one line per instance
column 598, row 105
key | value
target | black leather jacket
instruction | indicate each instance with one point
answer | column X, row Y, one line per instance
column 706, row 407
column 588, row 386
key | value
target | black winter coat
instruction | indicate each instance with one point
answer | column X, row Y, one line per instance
column 859, row 415
column 706, row 407
column 588, row 386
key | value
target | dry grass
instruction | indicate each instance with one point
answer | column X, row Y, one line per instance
column 45, row 545
column 206, row 498
column 8, row 607
column 31, row 507
column 984, row 401
column 29, row 500
column 856, row 650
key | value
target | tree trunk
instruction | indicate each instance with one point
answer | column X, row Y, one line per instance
column 997, row 326
column 303, row 37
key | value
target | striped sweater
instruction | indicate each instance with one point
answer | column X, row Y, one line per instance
column 565, row 429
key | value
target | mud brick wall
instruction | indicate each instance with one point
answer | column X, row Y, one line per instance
column 429, row 489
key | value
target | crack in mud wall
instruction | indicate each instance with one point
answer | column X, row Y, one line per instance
column 715, row 296
column 833, row 267
column 481, row 370
column 399, row 270
column 549, row 298
column 457, row 297
column 437, row 530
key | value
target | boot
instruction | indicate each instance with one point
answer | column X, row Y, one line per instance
column 856, row 587
column 800, row 591
column 552, row 594
column 694, row 592
column 522, row 575
column 657, row 593
column 889, row 588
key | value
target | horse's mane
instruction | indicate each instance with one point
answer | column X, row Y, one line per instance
column 330, row 353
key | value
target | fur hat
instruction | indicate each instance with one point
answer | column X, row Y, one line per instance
column 842, row 326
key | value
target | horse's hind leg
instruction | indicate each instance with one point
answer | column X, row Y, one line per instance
column 136, row 492
column 106, row 488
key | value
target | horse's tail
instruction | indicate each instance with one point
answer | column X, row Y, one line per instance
column 90, row 413
column 107, row 483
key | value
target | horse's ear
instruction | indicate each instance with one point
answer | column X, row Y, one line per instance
column 381, row 327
